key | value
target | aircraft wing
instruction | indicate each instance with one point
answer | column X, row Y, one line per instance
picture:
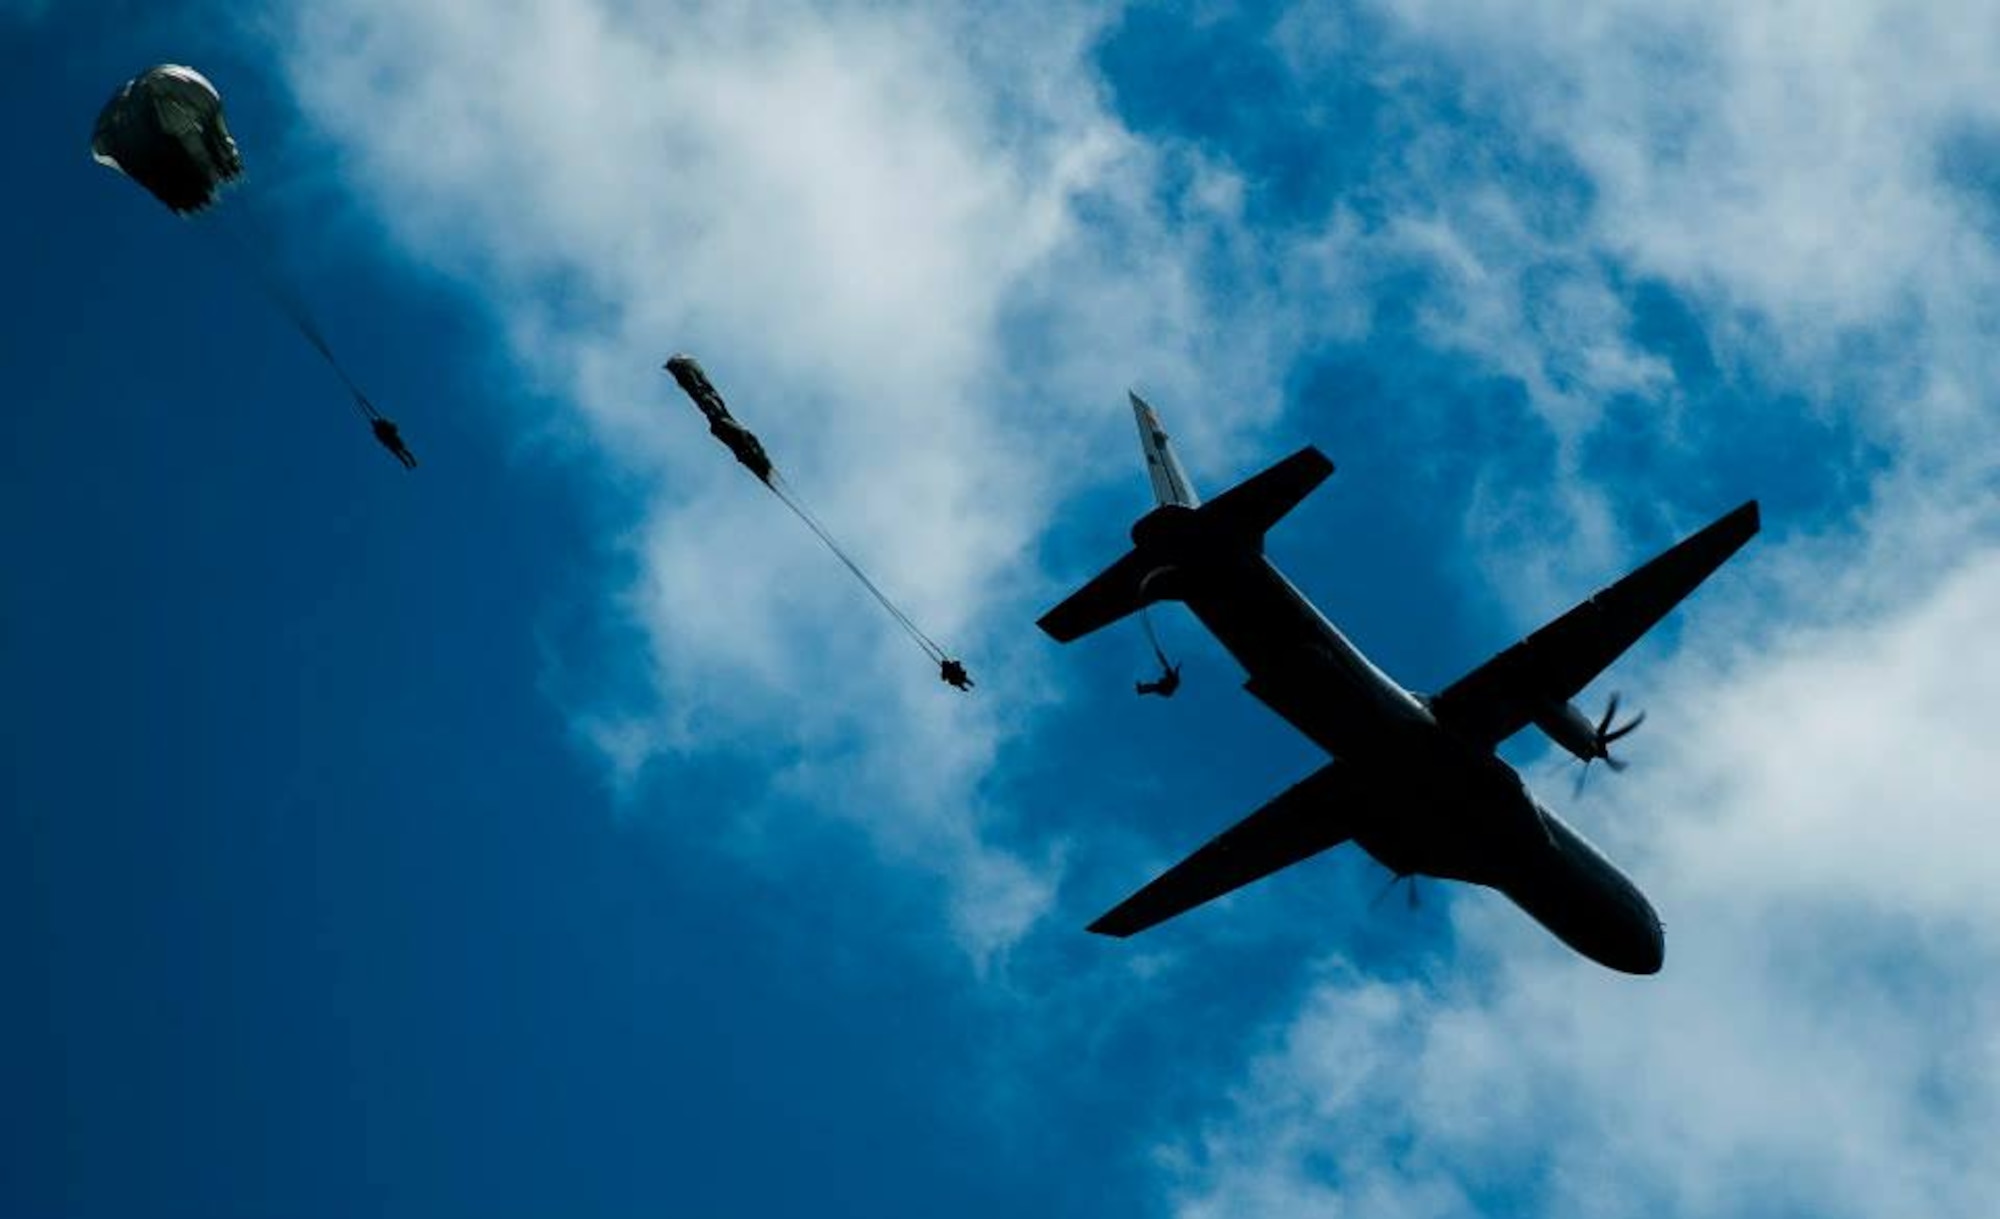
column 1318, row 812
column 1501, row 697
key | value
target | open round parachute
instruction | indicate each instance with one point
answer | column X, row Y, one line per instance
column 164, row 130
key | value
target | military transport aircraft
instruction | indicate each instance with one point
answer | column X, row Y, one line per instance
column 1414, row 780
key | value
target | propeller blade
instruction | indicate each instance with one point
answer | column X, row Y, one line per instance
column 1610, row 713
column 1618, row 733
column 1383, row 892
column 1396, row 878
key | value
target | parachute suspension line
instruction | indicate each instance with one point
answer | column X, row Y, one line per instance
column 1153, row 636
column 784, row 493
column 1146, row 620
column 790, row 500
column 261, row 260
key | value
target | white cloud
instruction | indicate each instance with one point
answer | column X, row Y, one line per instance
column 917, row 256
column 1782, row 162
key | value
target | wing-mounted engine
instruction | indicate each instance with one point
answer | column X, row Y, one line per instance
column 1568, row 727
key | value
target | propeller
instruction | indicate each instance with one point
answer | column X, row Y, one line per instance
column 1396, row 878
column 1606, row 735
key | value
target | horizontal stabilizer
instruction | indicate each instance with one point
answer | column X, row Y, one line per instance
column 1116, row 591
column 1251, row 507
column 1318, row 812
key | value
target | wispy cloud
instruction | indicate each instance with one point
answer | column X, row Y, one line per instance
column 1809, row 186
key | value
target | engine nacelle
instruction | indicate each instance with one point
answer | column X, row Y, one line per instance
column 1571, row 729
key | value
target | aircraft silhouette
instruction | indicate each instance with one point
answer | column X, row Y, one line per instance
column 1415, row 781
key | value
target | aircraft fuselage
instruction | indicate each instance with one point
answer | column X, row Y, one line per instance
column 1449, row 808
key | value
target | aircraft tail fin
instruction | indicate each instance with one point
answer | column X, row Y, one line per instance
column 1253, row 505
column 1170, row 482
column 1239, row 516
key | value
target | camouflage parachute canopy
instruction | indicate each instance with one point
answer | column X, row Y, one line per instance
column 164, row 130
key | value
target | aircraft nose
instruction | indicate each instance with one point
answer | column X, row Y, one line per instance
column 1651, row 953
column 1643, row 948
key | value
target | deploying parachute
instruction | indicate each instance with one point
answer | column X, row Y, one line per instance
column 164, row 130
column 749, row 451
column 739, row 440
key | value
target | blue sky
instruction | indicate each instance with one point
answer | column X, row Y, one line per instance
column 554, row 830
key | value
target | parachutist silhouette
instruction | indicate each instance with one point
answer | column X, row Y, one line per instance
column 165, row 130
column 392, row 440
column 953, row 674
column 1169, row 681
